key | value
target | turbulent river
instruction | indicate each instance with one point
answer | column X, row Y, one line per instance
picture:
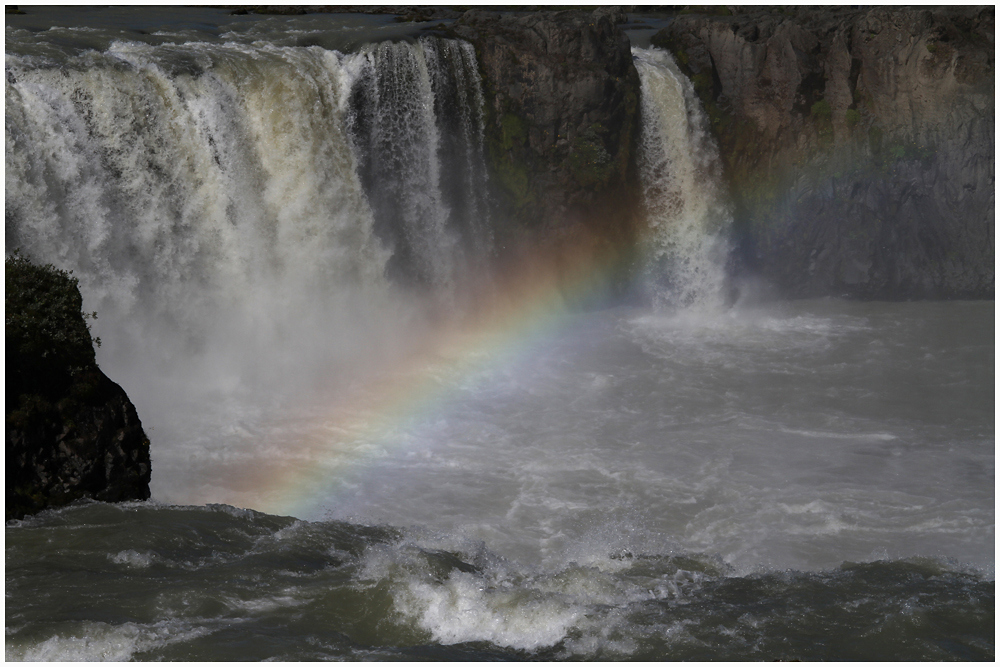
column 365, row 445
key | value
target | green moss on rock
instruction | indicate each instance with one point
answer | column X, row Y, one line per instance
column 702, row 83
column 589, row 162
column 513, row 176
column 513, row 131
column 822, row 116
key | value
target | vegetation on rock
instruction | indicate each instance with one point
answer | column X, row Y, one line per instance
column 70, row 431
column 47, row 336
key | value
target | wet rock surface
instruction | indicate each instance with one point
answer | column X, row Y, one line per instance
column 859, row 144
column 562, row 118
column 71, row 432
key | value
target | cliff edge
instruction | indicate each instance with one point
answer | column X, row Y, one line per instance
column 858, row 143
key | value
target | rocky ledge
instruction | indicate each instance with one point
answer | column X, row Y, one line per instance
column 859, row 143
column 71, row 432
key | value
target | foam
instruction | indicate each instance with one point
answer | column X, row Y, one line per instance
column 96, row 641
column 133, row 558
column 465, row 609
column 878, row 437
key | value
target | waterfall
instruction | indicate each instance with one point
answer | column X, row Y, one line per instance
column 224, row 198
column 230, row 200
column 206, row 185
column 682, row 189
column 189, row 185
column 417, row 125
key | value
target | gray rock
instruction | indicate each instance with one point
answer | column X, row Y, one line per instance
column 859, row 144
column 562, row 118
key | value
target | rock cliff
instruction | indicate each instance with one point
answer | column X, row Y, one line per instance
column 562, row 119
column 859, row 144
column 71, row 432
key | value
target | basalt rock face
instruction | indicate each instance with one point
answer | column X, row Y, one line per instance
column 71, row 432
column 561, row 125
column 859, row 144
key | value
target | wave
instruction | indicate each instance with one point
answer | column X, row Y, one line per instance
column 217, row 582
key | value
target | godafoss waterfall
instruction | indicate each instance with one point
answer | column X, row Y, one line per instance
column 378, row 434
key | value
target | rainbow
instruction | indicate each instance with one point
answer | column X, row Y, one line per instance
column 520, row 314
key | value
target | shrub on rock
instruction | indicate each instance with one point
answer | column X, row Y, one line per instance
column 71, row 432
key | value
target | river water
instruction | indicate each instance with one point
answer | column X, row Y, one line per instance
column 364, row 448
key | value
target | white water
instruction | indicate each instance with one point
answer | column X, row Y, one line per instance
column 682, row 189
column 210, row 199
column 796, row 436
column 407, row 93
column 206, row 197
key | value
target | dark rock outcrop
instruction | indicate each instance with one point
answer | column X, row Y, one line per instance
column 71, row 432
column 859, row 144
column 404, row 13
column 562, row 120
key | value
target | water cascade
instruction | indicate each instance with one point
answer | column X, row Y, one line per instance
column 682, row 189
column 418, row 127
column 246, row 218
column 199, row 192
column 184, row 182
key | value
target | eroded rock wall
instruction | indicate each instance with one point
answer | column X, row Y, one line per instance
column 859, row 144
column 562, row 120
